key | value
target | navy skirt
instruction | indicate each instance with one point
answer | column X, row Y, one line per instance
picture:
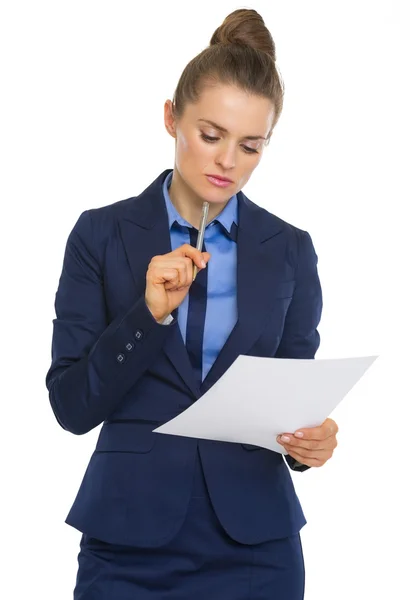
column 200, row 563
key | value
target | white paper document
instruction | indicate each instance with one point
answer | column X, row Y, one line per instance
column 259, row 398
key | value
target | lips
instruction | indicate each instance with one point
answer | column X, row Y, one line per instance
column 218, row 182
column 220, row 178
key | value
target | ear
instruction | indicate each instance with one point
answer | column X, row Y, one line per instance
column 169, row 119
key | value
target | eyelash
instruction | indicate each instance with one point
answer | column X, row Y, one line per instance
column 211, row 140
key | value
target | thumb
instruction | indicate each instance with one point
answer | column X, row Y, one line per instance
column 206, row 256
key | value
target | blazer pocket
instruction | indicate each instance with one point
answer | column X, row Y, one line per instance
column 251, row 447
column 126, row 437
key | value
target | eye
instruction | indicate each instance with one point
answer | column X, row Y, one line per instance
column 250, row 150
column 208, row 138
column 211, row 140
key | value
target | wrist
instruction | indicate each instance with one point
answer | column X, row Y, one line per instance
column 159, row 318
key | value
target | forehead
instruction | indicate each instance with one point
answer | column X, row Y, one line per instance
column 237, row 111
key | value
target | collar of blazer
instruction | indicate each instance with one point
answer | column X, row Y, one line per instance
column 145, row 233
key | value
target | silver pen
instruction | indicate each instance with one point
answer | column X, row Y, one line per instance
column 201, row 232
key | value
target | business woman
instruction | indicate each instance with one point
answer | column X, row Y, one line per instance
column 136, row 341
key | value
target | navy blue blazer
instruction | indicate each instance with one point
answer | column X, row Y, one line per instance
column 112, row 363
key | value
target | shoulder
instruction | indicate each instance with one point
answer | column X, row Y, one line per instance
column 266, row 226
column 142, row 209
column 105, row 216
column 97, row 228
column 272, row 223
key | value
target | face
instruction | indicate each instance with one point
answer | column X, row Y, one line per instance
column 222, row 135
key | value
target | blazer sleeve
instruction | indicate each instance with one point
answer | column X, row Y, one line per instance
column 94, row 363
column 300, row 338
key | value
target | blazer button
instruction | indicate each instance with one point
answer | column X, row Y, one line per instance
column 120, row 357
column 139, row 334
column 130, row 346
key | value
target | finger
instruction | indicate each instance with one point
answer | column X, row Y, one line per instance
column 327, row 429
column 161, row 268
column 292, row 441
column 198, row 257
column 169, row 277
column 186, row 272
column 310, row 454
column 168, row 261
column 309, row 461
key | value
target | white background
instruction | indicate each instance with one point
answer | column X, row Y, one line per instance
column 83, row 88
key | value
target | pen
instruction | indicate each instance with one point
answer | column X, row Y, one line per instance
column 201, row 233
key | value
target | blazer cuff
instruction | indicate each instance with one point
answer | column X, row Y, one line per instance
column 295, row 465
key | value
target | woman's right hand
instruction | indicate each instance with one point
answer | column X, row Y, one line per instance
column 169, row 277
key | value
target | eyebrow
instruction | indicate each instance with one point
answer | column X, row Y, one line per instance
column 247, row 137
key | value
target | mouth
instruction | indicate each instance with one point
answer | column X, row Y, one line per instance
column 219, row 181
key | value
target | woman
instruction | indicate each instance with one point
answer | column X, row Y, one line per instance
column 136, row 341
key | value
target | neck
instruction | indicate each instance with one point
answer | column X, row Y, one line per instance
column 189, row 204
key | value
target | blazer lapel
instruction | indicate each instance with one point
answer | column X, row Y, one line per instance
column 256, row 268
column 145, row 233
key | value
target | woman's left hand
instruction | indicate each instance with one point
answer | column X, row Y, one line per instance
column 314, row 447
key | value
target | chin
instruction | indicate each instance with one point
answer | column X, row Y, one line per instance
column 215, row 195
column 216, row 198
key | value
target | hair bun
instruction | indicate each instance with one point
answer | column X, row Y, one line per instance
column 245, row 27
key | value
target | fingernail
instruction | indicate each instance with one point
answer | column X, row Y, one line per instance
column 285, row 438
column 299, row 434
column 203, row 264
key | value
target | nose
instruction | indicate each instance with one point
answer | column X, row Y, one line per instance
column 226, row 157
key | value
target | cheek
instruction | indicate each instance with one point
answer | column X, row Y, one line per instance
column 192, row 151
column 247, row 169
column 185, row 147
